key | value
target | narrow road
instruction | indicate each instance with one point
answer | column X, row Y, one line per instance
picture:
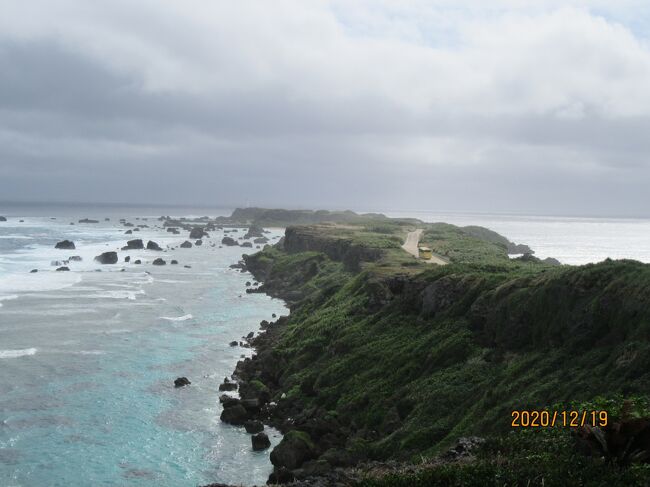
column 411, row 246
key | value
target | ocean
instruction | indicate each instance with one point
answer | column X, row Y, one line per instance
column 88, row 359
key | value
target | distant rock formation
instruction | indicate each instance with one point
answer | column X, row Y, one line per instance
column 3, row 219
column 151, row 245
column 65, row 244
column 186, row 245
column 64, row 268
column 87, row 220
column 159, row 261
column 182, row 382
column 229, row 241
column 134, row 244
column 107, row 258
column 197, row 232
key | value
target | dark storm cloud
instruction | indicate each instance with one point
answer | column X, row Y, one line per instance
column 367, row 105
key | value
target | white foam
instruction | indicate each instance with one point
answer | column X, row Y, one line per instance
column 180, row 318
column 91, row 352
column 17, row 353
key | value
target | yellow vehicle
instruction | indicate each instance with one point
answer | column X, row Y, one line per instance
column 425, row 253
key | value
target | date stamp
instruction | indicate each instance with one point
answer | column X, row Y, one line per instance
column 550, row 419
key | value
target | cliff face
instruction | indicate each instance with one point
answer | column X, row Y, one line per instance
column 376, row 365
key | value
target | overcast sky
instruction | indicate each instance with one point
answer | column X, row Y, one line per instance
column 431, row 105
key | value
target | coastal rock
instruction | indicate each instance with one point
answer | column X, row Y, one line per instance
column 128, row 232
column 186, row 245
column 254, row 231
column 181, row 382
column 134, row 245
column 174, row 262
column 33, row 271
column 229, row 241
column 3, row 219
column 236, row 415
column 233, row 343
column 65, row 244
column 64, row 268
column 87, row 220
column 75, row 258
column 107, row 258
column 228, row 401
column 261, row 240
column 127, row 258
column 198, row 243
column 197, row 232
column 228, row 386
column 253, row 426
column 151, row 245
column 159, row 261
column 295, row 448
column 138, row 261
column 260, row 442
column 247, row 244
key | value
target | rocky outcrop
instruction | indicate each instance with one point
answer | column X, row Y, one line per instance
column 159, row 261
column 107, row 258
column 75, row 258
column 87, row 220
column 3, row 219
column 254, row 231
column 151, row 245
column 197, row 232
column 198, row 243
column 247, row 244
column 260, row 441
column 65, row 244
column 186, row 245
column 295, row 448
column 64, row 268
column 229, row 241
column 134, row 245
column 181, row 382
column 234, row 414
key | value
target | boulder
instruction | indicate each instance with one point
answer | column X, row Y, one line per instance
column 33, row 271
column 261, row 240
column 87, row 220
column 230, row 242
column 260, row 441
column 174, row 262
column 138, row 261
column 253, row 426
column 64, row 268
column 3, row 219
column 128, row 232
column 254, row 231
column 75, row 258
column 186, row 245
column 127, row 258
column 187, row 266
column 228, row 401
column 198, row 243
column 159, row 261
column 197, row 232
column 236, row 415
column 181, row 382
column 295, row 448
column 228, row 386
column 107, row 258
column 151, row 245
column 65, row 244
column 134, row 244
column 247, row 244
column 233, row 343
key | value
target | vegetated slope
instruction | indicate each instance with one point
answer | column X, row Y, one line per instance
column 397, row 360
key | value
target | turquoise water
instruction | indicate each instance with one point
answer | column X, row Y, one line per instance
column 88, row 359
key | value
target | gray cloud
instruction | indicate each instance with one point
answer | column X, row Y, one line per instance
column 416, row 105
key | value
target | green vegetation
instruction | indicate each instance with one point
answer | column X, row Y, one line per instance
column 407, row 357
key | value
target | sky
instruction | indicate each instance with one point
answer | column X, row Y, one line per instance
column 490, row 106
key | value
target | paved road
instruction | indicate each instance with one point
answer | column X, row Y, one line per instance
column 411, row 246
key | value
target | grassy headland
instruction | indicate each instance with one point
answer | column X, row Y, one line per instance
column 386, row 358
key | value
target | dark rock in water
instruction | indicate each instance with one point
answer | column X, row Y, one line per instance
column 107, row 258
column 247, row 244
column 136, row 229
column 3, row 219
column 261, row 240
column 186, row 245
column 33, row 271
column 151, row 245
column 134, row 245
column 233, row 343
column 236, row 415
column 127, row 258
column 187, row 266
column 86, row 220
column 182, row 381
column 58, row 263
column 295, row 448
column 128, row 232
column 228, row 386
column 273, row 315
column 248, row 283
column 197, row 232
column 230, row 242
column 159, row 261
column 64, row 268
column 138, row 261
column 174, row 262
column 254, row 231
column 75, row 258
column 260, row 442
column 281, row 475
column 107, row 219
column 198, row 243
column 253, row 426
column 250, row 334
column 65, row 244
